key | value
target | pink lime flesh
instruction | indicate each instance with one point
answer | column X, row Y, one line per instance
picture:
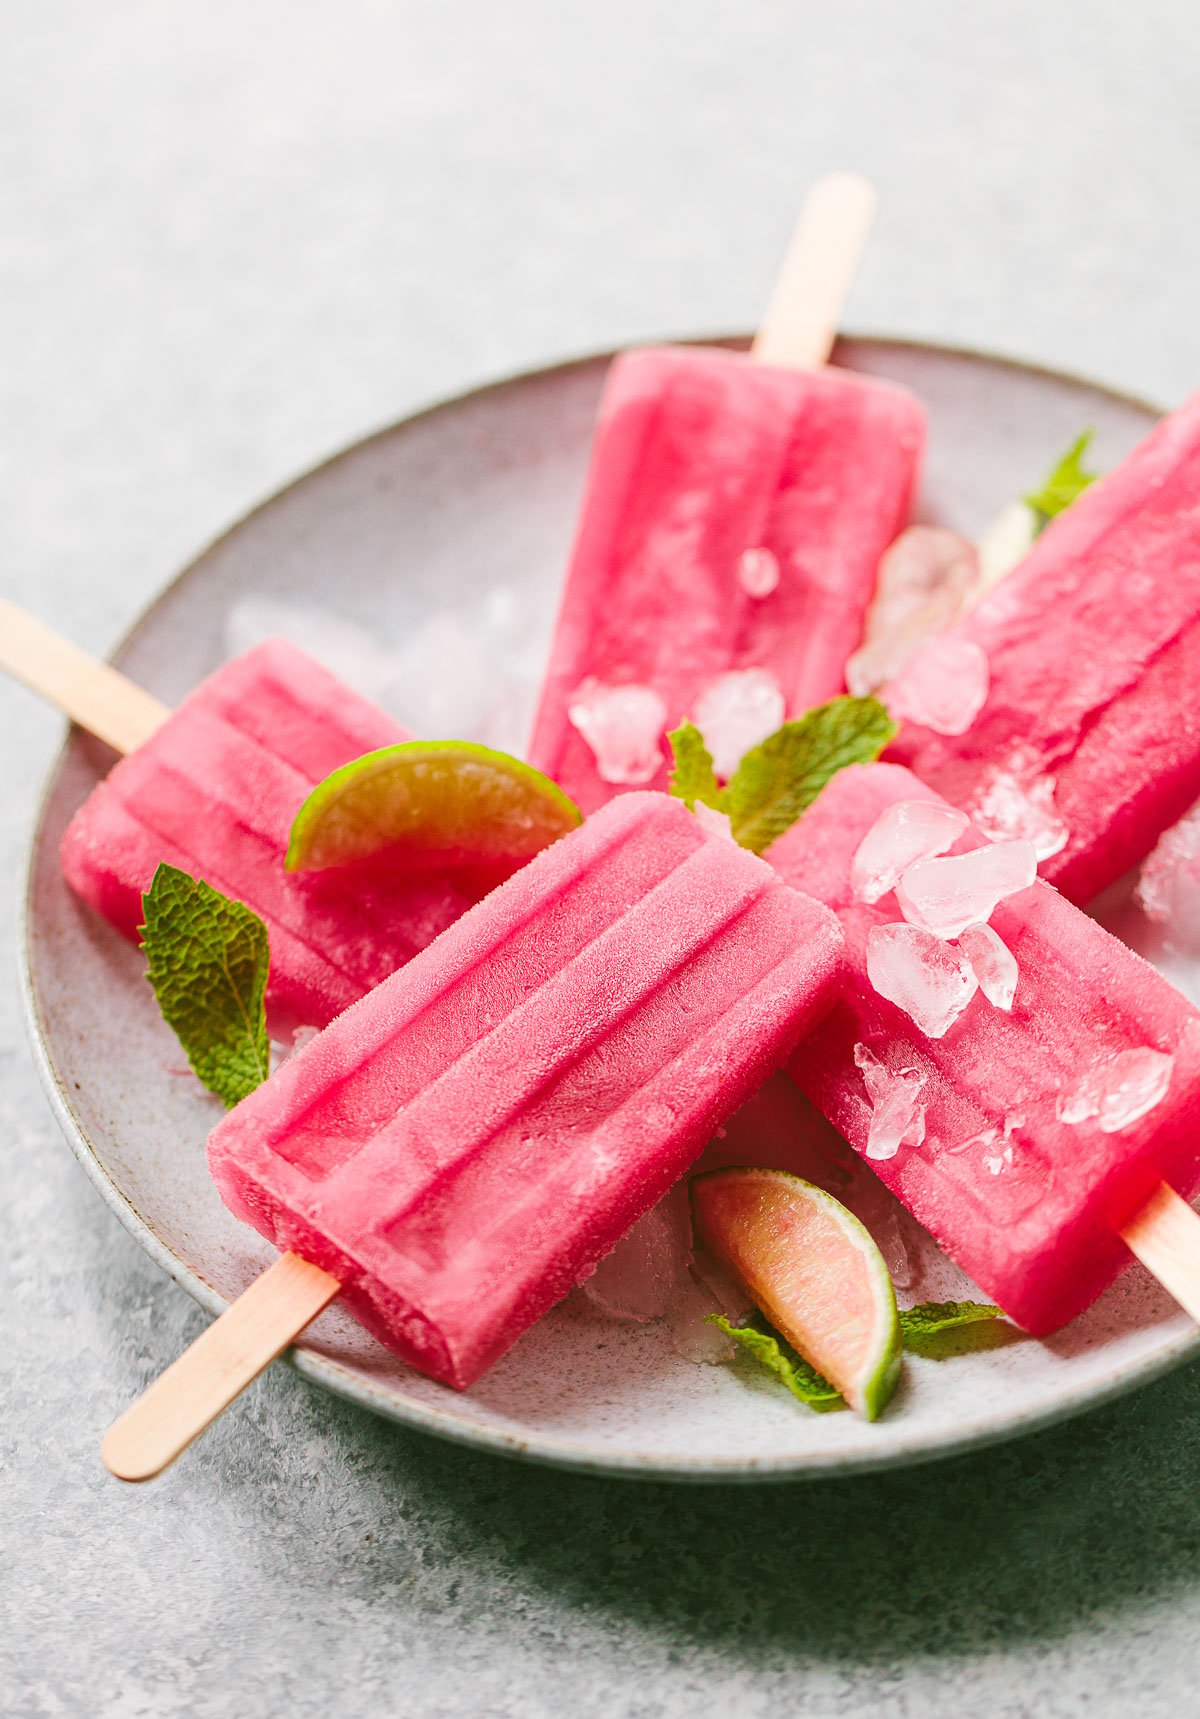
column 462, row 1144
column 813, row 1270
column 701, row 459
column 430, row 805
column 214, row 792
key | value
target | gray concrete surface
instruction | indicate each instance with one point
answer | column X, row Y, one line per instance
column 235, row 236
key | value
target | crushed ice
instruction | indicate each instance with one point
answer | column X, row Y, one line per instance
column 737, row 711
column 758, row 572
column 923, row 580
column 943, row 687
column 1118, row 1090
column 1018, row 802
column 994, row 964
column 624, row 727
column 648, row 1268
column 473, row 675
column 897, row 1114
column 946, row 895
column 928, row 978
column 1168, row 889
column 908, row 831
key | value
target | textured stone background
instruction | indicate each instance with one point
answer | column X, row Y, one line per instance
column 237, row 235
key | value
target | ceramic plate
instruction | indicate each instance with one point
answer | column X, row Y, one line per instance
column 425, row 563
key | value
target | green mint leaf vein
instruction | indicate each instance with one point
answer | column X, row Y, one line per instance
column 778, row 779
column 1065, row 484
column 208, row 961
column 927, row 1326
column 803, row 1381
column 693, row 777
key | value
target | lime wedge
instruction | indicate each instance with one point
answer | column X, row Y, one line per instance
column 813, row 1270
column 430, row 805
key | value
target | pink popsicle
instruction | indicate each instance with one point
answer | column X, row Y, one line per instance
column 1089, row 735
column 1027, row 1200
column 214, row 792
column 469, row 1139
column 733, row 521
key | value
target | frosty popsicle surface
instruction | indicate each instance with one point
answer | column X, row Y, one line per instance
column 1079, row 672
column 214, row 789
column 732, row 525
column 1023, row 1138
column 463, row 1144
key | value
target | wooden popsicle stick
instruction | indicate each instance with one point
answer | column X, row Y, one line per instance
column 1165, row 1236
column 206, row 1378
column 800, row 326
column 97, row 697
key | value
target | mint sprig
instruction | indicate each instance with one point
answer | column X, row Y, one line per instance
column 209, row 960
column 1065, row 483
column 780, row 1359
column 693, row 777
column 939, row 1327
column 780, row 778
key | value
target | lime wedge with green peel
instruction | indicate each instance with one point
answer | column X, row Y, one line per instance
column 431, row 805
column 813, row 1270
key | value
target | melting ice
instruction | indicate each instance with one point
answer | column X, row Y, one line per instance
column 624, row 727
column 929, row 979
column 910, row 830
column 1014, row 805
column 947, row 895
column 944, row 687
column 1118, row 1090
column 737, row 711
column 897, row 1114
column 758, row 572
column 994, row 964
column 922, row 582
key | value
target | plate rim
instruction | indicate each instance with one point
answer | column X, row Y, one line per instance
column 544, row 1449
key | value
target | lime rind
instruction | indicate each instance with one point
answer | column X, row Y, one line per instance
column 430, row 803
column 875, row 1378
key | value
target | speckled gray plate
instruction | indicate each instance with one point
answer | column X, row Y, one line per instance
column 432, row 515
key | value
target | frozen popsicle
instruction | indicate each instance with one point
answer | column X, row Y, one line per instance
column 1044, row 1117
column 464, row 1143
column 214, row 789
column 734, row 516
column 1063, row 707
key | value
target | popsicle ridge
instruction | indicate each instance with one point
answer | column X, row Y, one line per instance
column 463, row 1143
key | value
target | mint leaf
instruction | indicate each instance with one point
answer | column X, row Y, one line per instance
column 1065, row 484
column 782, row 776
column 693, row 777
column 803, row 1381
column 927, row 1325
column 208, row 966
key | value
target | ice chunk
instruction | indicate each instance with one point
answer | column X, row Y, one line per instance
column 716, row 823
column 624, row 727
column 922, row 582
column 1118, row 1090
column 737, row 711
column 947, row 895
column 994, row 964
column 1168, row 889
column 908, row 831
column 648, row 1267
column 944, row 687
column 897, row 1114
column 1007, row 540
column 758, row 572
column 1018, row 805
column 929, row 979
